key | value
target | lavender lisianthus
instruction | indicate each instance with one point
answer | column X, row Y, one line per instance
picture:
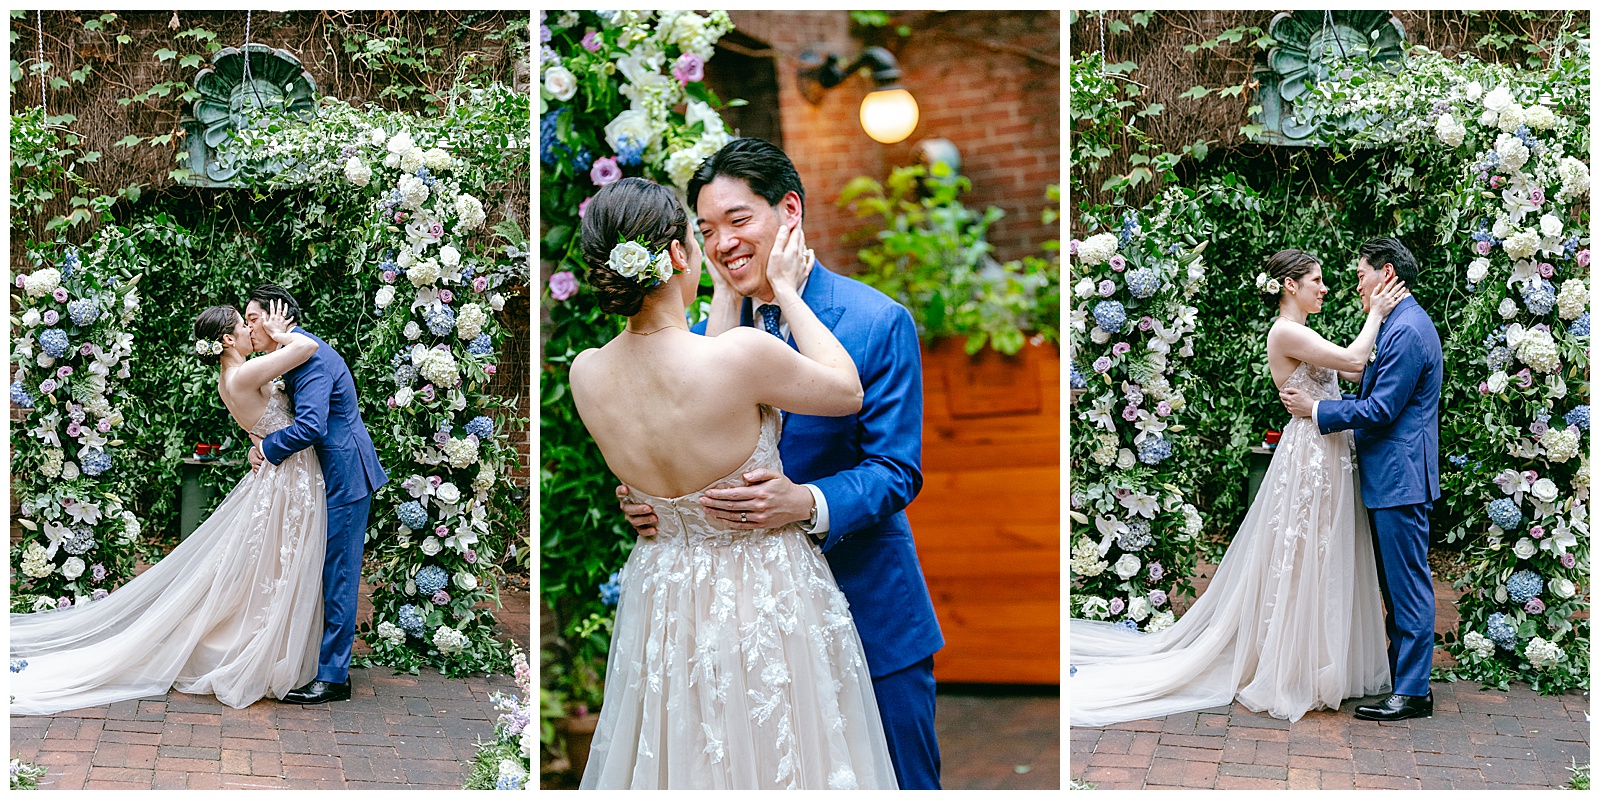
column 1155, row 571
column 605, row 172
column 1534, row 606
column 563, row 285
column 1102, row 364
column 1116, row 606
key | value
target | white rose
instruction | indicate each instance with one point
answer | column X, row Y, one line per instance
column 1449, row 131
column 497, row 302
column 1497, row 382
column 1478, row 270
column 1502, row 227
column 1084, row 288
column 402, row 398
column 431, row 546
column 629, row 259
column 1508, row 308
column 466, row 581
column 632, row 124
column 1498, row 99
column 413, row 331
column 392, row 161
column 1524, row 548
column 1127, row 566
column 377, row 137
column 357, row 172
column 1561, row 587
column 560, row 83
column 1095, row 608
column 1487, row 119
column 1550, row 226
column 400, row 143
column 31, row 318
column 1474, row 91
column 1126, row 459
column 73, row 567
column 1544, row 490
column 447, row 493
column 1099, row 335
column 385, row 296
column 449, row 256
column 69, row 471
column 1138, row 608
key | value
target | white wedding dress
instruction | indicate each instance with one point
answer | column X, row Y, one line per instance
column 734, row 661
column 1291, row 621
column 234, row 611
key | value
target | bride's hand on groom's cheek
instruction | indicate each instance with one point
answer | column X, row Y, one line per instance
column 767, row 501
column 641, row 516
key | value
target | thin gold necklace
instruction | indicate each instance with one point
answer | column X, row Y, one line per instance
column 647, row 333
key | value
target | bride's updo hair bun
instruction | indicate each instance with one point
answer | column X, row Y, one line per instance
column 214, row 322
column 1284, row 265
column 630, row 210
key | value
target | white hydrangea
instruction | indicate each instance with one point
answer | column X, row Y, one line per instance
column 1521, row 244
column 1513, row 153
column 1542, row 654
column 36, row 563
column 1449, row 131
column 469, row 213
column 436, row 160
column 1511, row 118
column 1478, row 644
column 391, row 633
column 485, row 479
column 1574, row 178
column 461, row 453
column 1560, row 444
column 1097, row 249
column 411, row 159
column 41, row 282
column 1086, row 560
column 449, row 640
column 438, row 367
column 470, row 321
column 1160, row 621
column 356, row 171
column 1538, row 350
column 1539, row 118
column 681, row 165
column 1573, row 300
column 413, row 192
column 423, row 273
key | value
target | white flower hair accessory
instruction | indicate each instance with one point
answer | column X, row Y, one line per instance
column 203, row 347
column 1268, row 285
column 633, row 260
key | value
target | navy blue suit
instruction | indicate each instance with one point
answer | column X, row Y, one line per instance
column 327, row 415
column 1396, row 421
column 868, row 466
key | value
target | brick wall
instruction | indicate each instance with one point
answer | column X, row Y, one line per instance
column 987, row 81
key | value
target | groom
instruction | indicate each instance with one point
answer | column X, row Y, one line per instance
column 328, row 417
column 853, row 476
column 1396, row 422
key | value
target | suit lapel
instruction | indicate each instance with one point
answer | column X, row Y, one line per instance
column 1369, row 376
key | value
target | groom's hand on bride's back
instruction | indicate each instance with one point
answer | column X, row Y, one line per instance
column 640, row 515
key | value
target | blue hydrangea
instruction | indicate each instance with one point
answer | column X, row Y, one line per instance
column 1110, row 316
column 1579, row 326
column 410, row 620
column 481, row 427
column 83, row 312
column 80, row 542
column 1078, row 381
column 19, row 395
column 611, row 590
column 412, row 515
column 1504, row 513
column 1527, row 137
column 1578, row 416
column 1128, row 625
column 432, row 578
column 54, row 342
column 630, row 151
column 1459, row 460
column 1499, row 358
column 442, row 321
column 551, row 150
column 1524, row 585
column 425, row 176
column 1540, row 298
column 96, row 462
column 508, row 783
column 1154, row 450
column 69, row 264
column 19, row 664
column 1501, row 631
column 582, row 160
column 1143, row 283
column 405, row 375
column 1136, row 537
column 481, row 346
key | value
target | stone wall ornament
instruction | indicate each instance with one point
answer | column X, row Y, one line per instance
column 229, row 90
column 1311, row 46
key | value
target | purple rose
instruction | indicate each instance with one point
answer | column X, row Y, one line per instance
column 563, row 285
column 1155, row 571
column 689, row 69
column 1497, row 181
column 605, row 172
column 1072, row 248
column 1163, row 409
column 427, row 393
column 1117, row 605
column 1539, row 427
column 1101, row 364
column 435, row 229
column 97, row 573
column 583, row 206
column 1118, row 263
column 1536, row 197
column 51, row 317
column 391, row 401
column 1130, row 412
column 1536, row 531
column 63, row 602
column 1583, row 257
column 1481, row 248
column 86, row 350
column 1534, row 606
column 1546, row 269
column 60, row 294
column 446, row 296
column 1483, row 387
column 47, row 385
column 441, row 597
column 99, row 594
column 1158, row 598
column 471, row 556
column 441, row 437
column 1107, row 288
column 442, row 531
column 1121, row 348
column 591, row 41
column 73, row 429
column 63, row 372
column 103, row 426
column 480, row 283
column 1146, row 323
column 388, row 276
column 1569, row 560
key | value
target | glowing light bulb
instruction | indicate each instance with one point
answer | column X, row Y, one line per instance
column 889, row 115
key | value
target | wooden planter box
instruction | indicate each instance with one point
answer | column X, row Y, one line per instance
column 988, row 519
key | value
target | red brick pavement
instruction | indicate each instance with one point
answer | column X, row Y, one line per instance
column 1475, row 739
column 396, row 731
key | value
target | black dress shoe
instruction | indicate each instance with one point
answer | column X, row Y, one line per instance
column 318, row 692
column 1397, row 707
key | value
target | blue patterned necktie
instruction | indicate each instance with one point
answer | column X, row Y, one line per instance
column 769, row 318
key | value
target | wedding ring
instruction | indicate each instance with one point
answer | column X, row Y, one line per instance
column 742, row 517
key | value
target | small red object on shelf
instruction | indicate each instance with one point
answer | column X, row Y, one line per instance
column 203, row 450
column 1272, row 438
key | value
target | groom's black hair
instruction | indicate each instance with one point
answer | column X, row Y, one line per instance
column 760, row 163
column 1389, row 250
column 267, row 292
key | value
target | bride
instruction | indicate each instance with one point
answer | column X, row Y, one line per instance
column 1293, row 618
column 235, row 610
column 734, row 662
